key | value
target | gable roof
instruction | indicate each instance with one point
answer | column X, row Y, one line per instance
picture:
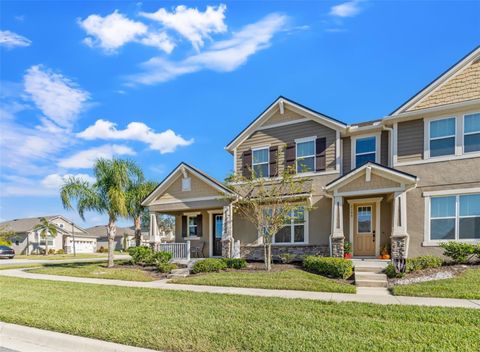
column 101, row 231
column 397, row 175
column 27, row 224
column 179, row 169
column 317, row 116
column 437, row 82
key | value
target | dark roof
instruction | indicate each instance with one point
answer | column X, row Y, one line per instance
column 101, row 230
column 373, row 163
column 434, row 80
column 290, row 101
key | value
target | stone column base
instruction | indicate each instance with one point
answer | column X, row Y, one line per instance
column 337, row 246
column 227, row 248
column 399, row 246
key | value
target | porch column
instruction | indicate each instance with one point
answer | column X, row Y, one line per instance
column 337, row 237
column 154, row 236
column 399, row 237
column 227, row 235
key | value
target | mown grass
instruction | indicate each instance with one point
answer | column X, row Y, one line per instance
column 95, row 270
column 293, row 279
column 466, row 285
column 188, row 321
column 62, row 256
column 19, row 266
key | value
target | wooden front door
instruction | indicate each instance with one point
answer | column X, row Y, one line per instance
column 364, row 229
column 217, row 234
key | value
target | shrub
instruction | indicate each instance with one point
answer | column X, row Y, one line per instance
column 51, row 251
column 332, row 267
column 160, row 257
column 165, row 267
column 459, row 252
column 235, row 263
column 141, row 255
column 209, row 265
column 415, row 264
column 60, row 251
column 347, row 247
column 101, row 249
column 287, row 258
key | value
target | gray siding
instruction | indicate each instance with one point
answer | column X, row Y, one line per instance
column 410, row 140
column 347, row 154
column 280, row 136
column 384, row 148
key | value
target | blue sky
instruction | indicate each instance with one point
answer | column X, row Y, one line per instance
column 164, row 82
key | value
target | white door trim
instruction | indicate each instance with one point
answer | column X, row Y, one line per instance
column 352, row 203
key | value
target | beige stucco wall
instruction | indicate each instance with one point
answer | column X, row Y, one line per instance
column 446, row 175
column 281, row 136
column 376, row 182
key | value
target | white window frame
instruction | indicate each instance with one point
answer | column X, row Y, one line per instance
column 446, row 193
column 428, row 139
column 292, row 225
column 371, row 219
column 188, row 225
column 305, row 140
column 262, row 163
column 468, row 133
column 354, row 147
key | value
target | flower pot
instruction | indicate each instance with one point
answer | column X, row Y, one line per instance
column 347, row 255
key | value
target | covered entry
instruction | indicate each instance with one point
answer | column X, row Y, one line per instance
column 369, row 209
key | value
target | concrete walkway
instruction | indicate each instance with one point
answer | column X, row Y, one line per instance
column 20, row 338
column 364, row 296
column 59, row 261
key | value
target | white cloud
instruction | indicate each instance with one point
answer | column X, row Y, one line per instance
column 12, row 40
column 55, row 181
column 191, row 23
column 86, row 158
column 55, row 95
column 346, row 9
column 115, row 30
column 223, row 56
column 165, row 142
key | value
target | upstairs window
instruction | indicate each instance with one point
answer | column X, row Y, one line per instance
column 365, row 150
column 471, row 133
column 305, row 156
column 260, row 162
column 442, row 137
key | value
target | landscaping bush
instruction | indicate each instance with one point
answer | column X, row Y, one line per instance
column 160, row 257
column 60, row 251
column 460, row 252
column 235, row 263
column 51, row 251
column 101, row 249
column 141, row 255
column 165, row 267
column 209, row 265
column 415, row 264
column 332, row 267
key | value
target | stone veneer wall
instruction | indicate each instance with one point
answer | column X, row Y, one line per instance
column 399, row 247
column 256, row 252
column 337, row 246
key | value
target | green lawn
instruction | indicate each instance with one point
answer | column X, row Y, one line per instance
column 62, row 256
column 188, row 321
column 95, row 270
column 467, row 285
column 19, row 266
column 293, row 279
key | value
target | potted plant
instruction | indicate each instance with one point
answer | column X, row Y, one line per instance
column 347, row 250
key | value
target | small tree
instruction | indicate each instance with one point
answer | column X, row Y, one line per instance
column 136, row 193
column 6, row 236
column 268, row 204
column 46, row 229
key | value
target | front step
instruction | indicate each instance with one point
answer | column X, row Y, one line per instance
column 183, row 272
column 368, row 269
column 370, row 274
column 370, row 283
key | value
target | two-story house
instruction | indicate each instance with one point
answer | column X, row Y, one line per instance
column 409, row 180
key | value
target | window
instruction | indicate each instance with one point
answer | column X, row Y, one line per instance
column 364, row 219
column 471, row 133
column 442, row 137
column 365, row 150
column 294, row 230
column 260, row 162
column 186, row 184
column 192, row 226
column 305, row 156
column 455, row 217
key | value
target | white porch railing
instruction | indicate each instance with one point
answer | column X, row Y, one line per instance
column 178, row 250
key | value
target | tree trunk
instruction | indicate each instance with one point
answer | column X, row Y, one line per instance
column 138, row 231
column 269, row 254
column 46, row 245
column 265, row 259
column 112, row 229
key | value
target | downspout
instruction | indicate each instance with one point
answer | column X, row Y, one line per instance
column 331, row 230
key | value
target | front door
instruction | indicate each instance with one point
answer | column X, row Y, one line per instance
column 217, row 234
column 364, row 229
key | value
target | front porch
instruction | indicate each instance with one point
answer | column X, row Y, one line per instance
column 369, row 211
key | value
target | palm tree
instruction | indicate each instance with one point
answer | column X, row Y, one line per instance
column 46, row 228
column 136, row 193
column 106, row 196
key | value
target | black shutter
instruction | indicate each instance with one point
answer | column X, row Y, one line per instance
column 273, row 162
column 184, row 226
column 290, row 155
column 199, row 226
column 321, row 148
column 247, row 164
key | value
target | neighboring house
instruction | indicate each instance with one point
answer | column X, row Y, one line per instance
column 409, row 180
column 124, row 239
column 27, row 241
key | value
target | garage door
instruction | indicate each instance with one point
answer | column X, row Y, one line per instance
column 85, row 246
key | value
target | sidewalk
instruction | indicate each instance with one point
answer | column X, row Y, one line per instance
column 20, row 338
column 365, row 297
